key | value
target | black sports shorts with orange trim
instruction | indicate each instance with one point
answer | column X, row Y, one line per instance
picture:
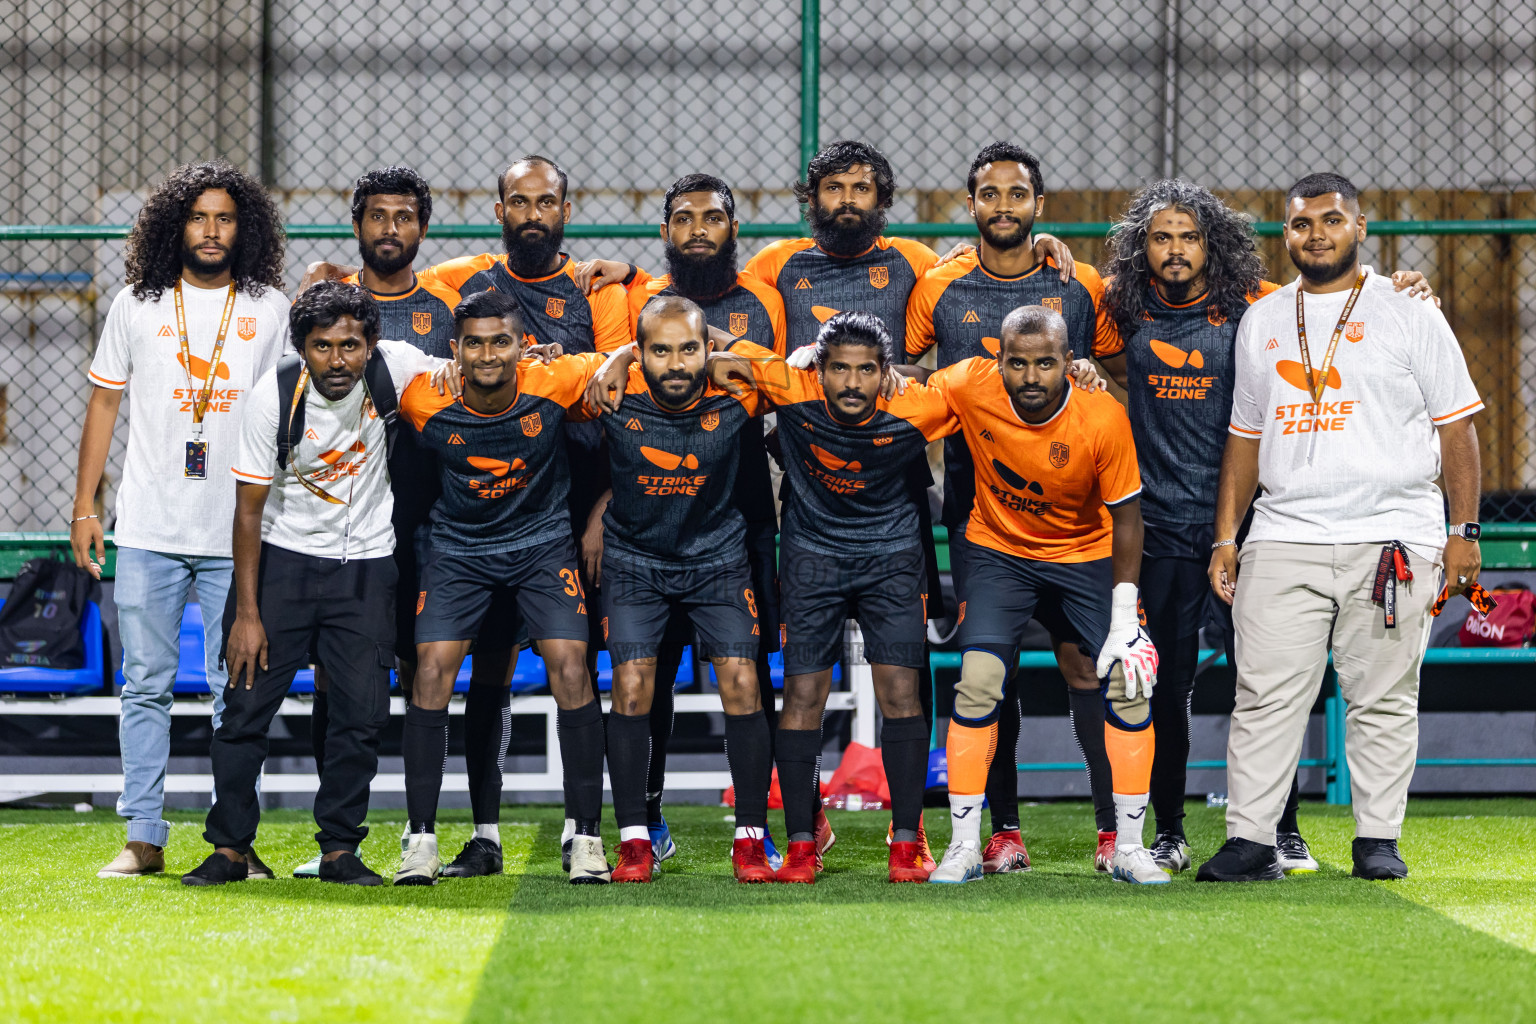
column 639, row 599
column 1003, row 592
column 884, row 592
column 458, row 592
column 411, row 558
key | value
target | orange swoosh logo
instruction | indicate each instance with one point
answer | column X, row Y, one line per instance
column 823, row 313
column 1294, row 374
column 832, row 462
column 992, row 345
column 1177, row 357
column 335, row 455
column 199, row 369
column 495, row 467
column 668, row 461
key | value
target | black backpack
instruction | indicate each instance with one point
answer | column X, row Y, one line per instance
column 381, row 389
column 40, row 623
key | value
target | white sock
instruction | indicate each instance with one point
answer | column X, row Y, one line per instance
column 629, row 832
column 749, row 832
column 491, row 832
column 1130, row 818
column 965, row 818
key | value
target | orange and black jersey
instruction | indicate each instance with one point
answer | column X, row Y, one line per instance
column 960, row 307
column 504, row 476
column 1179, row 374
column 814, row 285
column 750, row 311
column 673, row 479
column 422, row 316
column 849, row 493
column 554, row 309
column 1043, row 490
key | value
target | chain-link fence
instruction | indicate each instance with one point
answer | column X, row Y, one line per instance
column 1431, row 107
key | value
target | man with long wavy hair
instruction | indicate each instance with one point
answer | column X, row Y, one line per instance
column 201, row 319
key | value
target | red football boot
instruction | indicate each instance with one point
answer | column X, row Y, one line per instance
column 1105, row 852
column 824, row 836
column 750, row 861
column 922, row 840
column 1005, row 852
column 637, row 861
column 800, row 865
column 906, row 863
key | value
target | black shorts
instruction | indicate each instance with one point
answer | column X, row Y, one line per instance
column 638, row 600
column 885, row 593
column 539, row 584
column 412, row 555
column 763, row 563
column 1003, row 592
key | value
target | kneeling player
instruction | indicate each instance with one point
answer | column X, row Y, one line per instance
column 1056, row 523
column 851, row 549
column 501, row 527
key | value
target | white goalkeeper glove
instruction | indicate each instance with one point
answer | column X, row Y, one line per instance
column 802, row 358
column 1128, row 644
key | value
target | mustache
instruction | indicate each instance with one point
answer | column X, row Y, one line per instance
column 850, row 393
column 677, row 375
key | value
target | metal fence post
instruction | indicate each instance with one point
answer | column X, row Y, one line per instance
column 1333, row 747
column 810, row 81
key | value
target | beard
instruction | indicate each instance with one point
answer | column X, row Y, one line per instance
column 192, row 260
column 702, row 277
column 386, row 265
column 845, row 240
column 1010, row 241
column 841, row 414
column 531, row 247
column 695, row 386
column 1323, row 273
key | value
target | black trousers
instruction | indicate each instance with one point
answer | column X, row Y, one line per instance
column 345, row 613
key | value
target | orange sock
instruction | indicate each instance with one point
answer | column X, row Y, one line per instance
column 1130, row 758
column 970, row 751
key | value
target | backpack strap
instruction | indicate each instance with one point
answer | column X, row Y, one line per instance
column 289, row 428
column 381, row 388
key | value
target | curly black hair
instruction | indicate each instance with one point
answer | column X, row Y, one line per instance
column 392, row 181
column 842, row 156
column 327, row 302
column 1233, row 267
column 156, row 242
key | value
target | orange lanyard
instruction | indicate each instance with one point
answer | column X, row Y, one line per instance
column 1319, row 380
column 205, row 394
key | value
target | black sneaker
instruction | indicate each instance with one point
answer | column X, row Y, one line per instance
column 1171, row 852
column 216, row 870
column 1378, row 859
column 348, row 869
column 255, row 870
column 479, row 857
column 1239, row 860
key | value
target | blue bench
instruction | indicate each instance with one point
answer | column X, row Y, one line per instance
column 1434, row 656
column 71, row 682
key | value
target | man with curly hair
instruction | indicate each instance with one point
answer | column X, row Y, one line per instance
column 201, row 321
column 1181, row 272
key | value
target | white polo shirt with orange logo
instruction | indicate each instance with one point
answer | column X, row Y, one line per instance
column 158, row 507
column 1397, row 375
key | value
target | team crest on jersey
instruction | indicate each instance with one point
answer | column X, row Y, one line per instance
column 710, row 420
column 1052, row 303
column 247, row 328
column 532, row 424
column 1215, row 316
column 879, row 277
column 883, row 439
column 421, row 323
column 1355, row 331
column 555, row 307
column 1060, row 453
column 738, row 324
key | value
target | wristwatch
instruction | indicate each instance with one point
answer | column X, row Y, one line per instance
column 1468, row 531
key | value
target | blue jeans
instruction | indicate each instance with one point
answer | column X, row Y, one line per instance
column 151, row 593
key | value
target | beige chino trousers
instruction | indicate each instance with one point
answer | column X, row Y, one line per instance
column 1291, row 599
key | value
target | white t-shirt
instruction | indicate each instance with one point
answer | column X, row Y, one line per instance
column 342, row 453
column 158, row 507
column 1397, row 375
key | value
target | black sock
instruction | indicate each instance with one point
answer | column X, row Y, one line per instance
column 798, row 752
column 319, row 722
column 425, row 746
column 1292, row 804
column 668, row 659
column 487, row 728
column 629, row 750
column 572, row 798
column 1088, row 722
column 1003, row 773
column 904, row 749
column 581, row 753
column 1170, row 717
column 748, row 752
column 766, row 695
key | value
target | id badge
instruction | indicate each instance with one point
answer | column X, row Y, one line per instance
column 197, row 459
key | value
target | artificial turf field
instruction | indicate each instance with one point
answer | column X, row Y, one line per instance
column 1454, row 942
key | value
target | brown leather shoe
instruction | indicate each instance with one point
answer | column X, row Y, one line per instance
column 136, row 859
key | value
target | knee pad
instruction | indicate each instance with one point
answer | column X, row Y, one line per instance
column 1128, row 714
column 983, row 674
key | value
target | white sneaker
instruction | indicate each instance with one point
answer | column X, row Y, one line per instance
column 961, row 863
column 589, row 865
column 1135, row 864
column 1171, row 853
column 567, row 833
column 311, row 867
column 418, row 860
column 1292, row 853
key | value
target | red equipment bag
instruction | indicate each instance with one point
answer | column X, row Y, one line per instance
column 1511, row 624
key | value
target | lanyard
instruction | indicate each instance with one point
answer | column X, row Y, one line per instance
column 205, row 394
column 1318, row 381
column 293, row 454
